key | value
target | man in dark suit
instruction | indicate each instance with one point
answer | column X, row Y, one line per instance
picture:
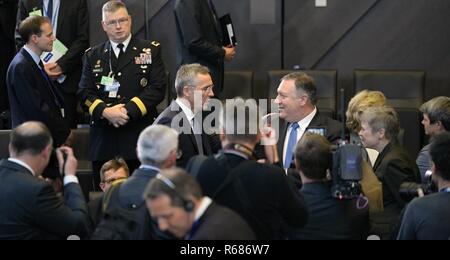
column 297, row 99
column 394, row 166
column 260, row 193
column 70, row 22
column 157, row 149
column 199, row 38
column 29, row 206
column 193, row 85
column 32, row 95
column 123, row 81
column 329, row 218
column 8, row 11
column 177, row 203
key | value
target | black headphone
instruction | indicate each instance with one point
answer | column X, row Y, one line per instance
column 187, row 204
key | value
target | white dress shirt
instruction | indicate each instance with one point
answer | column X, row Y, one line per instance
column 125, row 43
column 303, row 124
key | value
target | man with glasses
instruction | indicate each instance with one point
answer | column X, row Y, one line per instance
column 123, row 81
column 193, row 85
column 112, row 172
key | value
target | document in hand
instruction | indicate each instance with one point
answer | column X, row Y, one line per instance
column 229, row 35
column 58, row 51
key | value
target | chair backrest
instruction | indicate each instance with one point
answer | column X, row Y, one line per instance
column 4, row 143
column 405, row 92
column 238, row 83
column 80, row 144
column 326, row 83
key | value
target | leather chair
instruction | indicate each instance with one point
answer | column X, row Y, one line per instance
column 404, row 91
column 326, row 83
column 238, row 83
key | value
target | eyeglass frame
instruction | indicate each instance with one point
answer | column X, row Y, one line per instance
column 120, row 22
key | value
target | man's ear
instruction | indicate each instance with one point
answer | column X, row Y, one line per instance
column 382, row 133
column 186, row 91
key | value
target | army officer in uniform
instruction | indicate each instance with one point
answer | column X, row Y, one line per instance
column 123, row 81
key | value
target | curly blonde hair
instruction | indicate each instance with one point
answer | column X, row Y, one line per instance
column 359, row 103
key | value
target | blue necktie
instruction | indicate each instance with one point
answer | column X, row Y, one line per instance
column 50, row 10
column 292, row 142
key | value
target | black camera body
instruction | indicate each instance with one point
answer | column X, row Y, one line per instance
column 410, row 190
column 347, row 171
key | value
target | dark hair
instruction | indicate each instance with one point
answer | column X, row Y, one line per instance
column 440, row 155
column 313, row 155
column 438, row 109
column 32, row 26
column 177, row 184
column 31, row 138
column 114, row 164
column 303, row 83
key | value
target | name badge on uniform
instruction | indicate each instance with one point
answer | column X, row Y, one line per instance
column 112, row 86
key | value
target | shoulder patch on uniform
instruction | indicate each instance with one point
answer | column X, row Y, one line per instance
column 155, row 43
column 86, row 51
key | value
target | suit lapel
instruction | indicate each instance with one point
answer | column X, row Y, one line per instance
column 283, row 132
column 176, row 109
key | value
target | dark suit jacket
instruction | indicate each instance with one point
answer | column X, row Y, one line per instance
column 261, row 194
column 131, row 197
column 220, row 223
column 142, row 88
column 199, row 38
column 186, row 141
column 330, row 218
column 392, row 167
column 31, row 97
column 30, row 208
column 72, row 31
column 8, row 11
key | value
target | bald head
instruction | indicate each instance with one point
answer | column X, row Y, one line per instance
column 30, row 138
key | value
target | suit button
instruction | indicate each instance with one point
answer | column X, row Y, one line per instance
column 119, row 74
column 118, row 96
column 134, row 206
column 144, row 71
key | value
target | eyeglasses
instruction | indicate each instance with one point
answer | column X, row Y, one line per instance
column 114, row 23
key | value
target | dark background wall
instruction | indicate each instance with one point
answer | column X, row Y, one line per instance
column 345, row 35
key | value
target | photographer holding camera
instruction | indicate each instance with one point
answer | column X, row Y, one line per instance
column 29, row 206
column 329, row 218
column 428, row 217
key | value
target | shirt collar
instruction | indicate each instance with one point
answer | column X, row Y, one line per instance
column 149, row 167
column 22, row 163
column 125, row 44
column 304, row 123
column 187, row 111
column 34, row 56
column 204, row 204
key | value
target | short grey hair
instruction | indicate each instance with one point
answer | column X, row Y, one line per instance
column 155, row 144
column 304, row 84
column 382, row 117
column 187, row 76
column 112, row 6
column 438, row 109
